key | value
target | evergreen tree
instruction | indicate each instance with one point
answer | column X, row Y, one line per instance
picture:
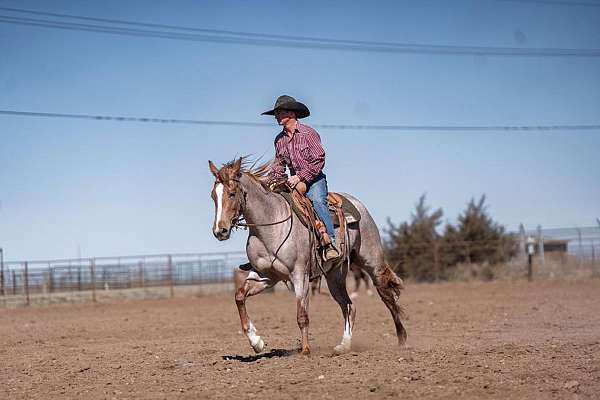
column 477, row 238
column 416, row 250
column 409, row 245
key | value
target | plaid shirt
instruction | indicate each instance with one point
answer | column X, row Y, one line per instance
column 302, row 154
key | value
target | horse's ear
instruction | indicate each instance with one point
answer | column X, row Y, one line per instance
column 213, row 169
column 237, row 165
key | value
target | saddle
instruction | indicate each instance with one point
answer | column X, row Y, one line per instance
column 342, row 212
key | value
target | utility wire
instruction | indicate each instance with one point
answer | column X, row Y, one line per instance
column 449, row 128
column 244, row 38
column 555, row 2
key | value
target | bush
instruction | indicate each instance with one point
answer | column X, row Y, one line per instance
column 417, row 251
column 409, row 245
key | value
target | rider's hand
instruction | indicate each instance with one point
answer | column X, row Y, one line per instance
column 293, row 180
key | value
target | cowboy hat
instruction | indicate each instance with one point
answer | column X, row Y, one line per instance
column 289, row 103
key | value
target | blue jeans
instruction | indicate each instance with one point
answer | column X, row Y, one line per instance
column 317, row 193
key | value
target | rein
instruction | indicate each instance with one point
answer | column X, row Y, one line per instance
column 240, row 221
column 240, row 224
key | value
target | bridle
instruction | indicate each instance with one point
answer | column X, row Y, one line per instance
column 238, row 221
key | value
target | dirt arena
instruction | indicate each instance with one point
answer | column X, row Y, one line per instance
column 468, row 340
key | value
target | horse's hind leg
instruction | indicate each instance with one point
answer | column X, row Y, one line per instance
column 249, row 284
column 388, row 285
column 368, row 254
column 366, row 278
column 336, row 282
column 357, row 274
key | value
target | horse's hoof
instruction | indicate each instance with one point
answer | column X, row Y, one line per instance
column 306, row 352
column 341, row 348
column 259, row 346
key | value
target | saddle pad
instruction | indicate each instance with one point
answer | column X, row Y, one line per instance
column 350, row 212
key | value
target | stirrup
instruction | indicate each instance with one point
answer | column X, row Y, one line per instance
column 331, row 253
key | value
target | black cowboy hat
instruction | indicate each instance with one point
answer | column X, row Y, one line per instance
column 289, row 103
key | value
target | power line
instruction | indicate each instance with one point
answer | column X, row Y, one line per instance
column 556, row 2
column 256, row 39
column 448, row 128
column 152, row 120
column 202, row 30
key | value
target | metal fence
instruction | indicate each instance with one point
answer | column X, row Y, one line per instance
column 582, row 243
column 556, row 253
column 87, row 278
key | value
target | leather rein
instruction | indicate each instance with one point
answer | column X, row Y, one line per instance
column 239, row 221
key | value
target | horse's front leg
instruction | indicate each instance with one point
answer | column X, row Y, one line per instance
column 301, row 288
column 250, row 283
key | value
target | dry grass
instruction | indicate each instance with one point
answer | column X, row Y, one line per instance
column 555, row 267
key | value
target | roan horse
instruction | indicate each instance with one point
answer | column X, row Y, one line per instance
column 278, row 249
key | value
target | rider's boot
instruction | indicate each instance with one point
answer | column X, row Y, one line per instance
column 331, row 252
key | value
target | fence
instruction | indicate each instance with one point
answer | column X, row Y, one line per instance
column 582, row 243
column 560, row 251
column 87, row 279
column 557, row 253
column 537, row 253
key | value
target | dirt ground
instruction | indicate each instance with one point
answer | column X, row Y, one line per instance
column 467, row 340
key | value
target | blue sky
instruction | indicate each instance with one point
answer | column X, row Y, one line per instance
column 111, row 188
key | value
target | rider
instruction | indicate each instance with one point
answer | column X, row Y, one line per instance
column 298, row 147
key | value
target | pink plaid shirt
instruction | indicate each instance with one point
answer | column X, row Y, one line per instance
column 302, row 154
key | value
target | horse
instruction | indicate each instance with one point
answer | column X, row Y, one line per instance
column 359, row 276
column 279, row 249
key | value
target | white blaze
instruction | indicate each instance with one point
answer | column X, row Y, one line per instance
column 219, row 193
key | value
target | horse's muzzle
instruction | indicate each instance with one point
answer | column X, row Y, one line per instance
column 222, row 233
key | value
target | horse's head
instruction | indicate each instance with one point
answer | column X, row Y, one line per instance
column 227, row 195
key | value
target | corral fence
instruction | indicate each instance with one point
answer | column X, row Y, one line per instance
column 536, row 253
column 552, row 253
column 583, row 242
column 563, row 249
column 87, row 279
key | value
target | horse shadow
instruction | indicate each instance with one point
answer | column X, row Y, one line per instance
column 270, row 354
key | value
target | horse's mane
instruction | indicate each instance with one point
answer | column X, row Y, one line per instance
column 254, row 170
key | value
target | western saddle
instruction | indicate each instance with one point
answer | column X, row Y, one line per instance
column 342, row 212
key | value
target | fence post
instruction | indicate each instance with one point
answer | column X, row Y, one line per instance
column 436, row 261
column 541, row 244
column 530, row 253
column 79, row 277
column 93, row 277
column 129, row 277
column 1, row 271
column 141, row 273
column 170, row 264
column 522, row 240
column 50, row 279
column 594, row 273
column 26, row 283
column 580, row 245
column 70, row 280
column 14, row 282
